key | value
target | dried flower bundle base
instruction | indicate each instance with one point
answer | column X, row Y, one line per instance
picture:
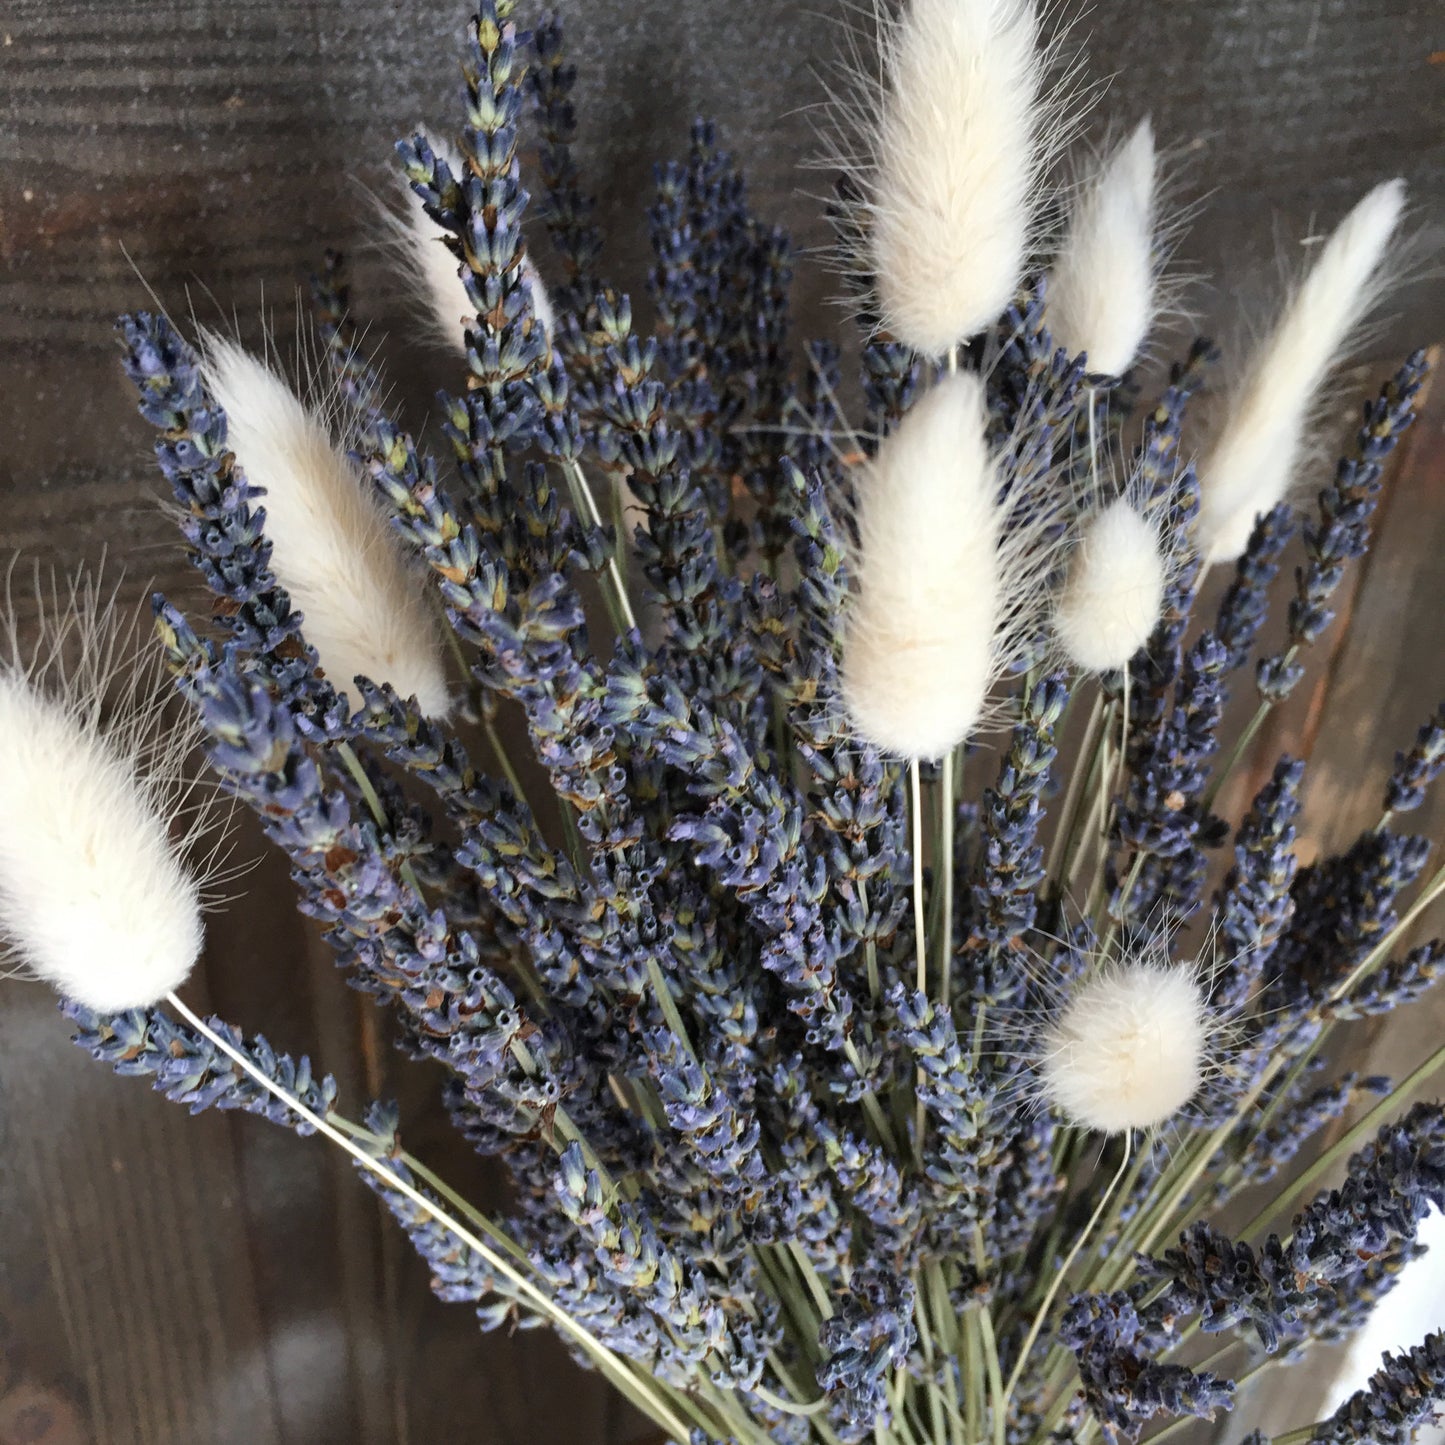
column 854, row 1083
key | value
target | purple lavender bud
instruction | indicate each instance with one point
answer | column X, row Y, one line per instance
column 1417, row 769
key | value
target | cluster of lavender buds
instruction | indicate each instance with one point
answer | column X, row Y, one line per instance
column 872, row 1009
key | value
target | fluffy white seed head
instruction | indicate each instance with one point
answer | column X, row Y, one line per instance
column 1254, row 458
column 435, row 274
column 920, row 634
column 96, row 897
column 1113, row 592
column 1102, row 289
column 363, row 605
column 1128, row 1047
column 948, row 142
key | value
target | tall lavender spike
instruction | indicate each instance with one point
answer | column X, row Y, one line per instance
column 1403, row 1394
column 224, row 530
column 1254, row 905
column 1244, row 606
column 566, row 208
column 382, row 932
column 1416, row 770
column 1346, row 508
column 190, row 1070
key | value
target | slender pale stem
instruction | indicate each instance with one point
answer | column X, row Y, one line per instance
column 1116, row 914
column 1361, row 971
column 618, row 602
column 1064, row 838
column 998, row 1396
column 1241, row 744
column 367, row 789
column 1043, row 1311
column 619, row 524
column 610, row 1365
column 1301, row 1436
column 923, row 1325
column 870, row 948
column 810, row 1277
column 920, row 926
column 1121, row 772
column 943, row 870
column 499, row 751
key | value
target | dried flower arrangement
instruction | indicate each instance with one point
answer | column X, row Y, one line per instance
column 852, row 1084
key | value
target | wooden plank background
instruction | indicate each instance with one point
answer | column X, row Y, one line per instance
column 164, row 1279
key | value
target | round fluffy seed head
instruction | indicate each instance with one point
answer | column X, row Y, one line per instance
column 363, row 606
column 95, row 897
column 918, row 641
column 1127, row 1048
column 955, row 158
column 1101, row 293
column 1114, row 591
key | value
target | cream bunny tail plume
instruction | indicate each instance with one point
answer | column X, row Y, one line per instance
column 96, row 896
column 364, row 607
column 1255, row 457
column 918, row 642
column 1101, row 291
column 948, row 144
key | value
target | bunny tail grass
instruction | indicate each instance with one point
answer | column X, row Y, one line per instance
column 918, row 654
column 364, row 608
column 1259, row 448
column 1114, row 591
column 1102, row 289
column 1128, row 1048
column 96, row 896
column 948, row 145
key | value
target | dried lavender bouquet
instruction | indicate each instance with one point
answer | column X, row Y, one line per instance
column 863, row 1069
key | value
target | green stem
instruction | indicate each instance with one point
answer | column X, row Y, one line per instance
column 1063, row 1270
column 1371, row 961
column 619, row 524
column 973, row 1357
column 810, row 1278
column 925, row 1339
column 668, row 1005
column 1068, row 837
column 998, row 1395
column 1242, row 742
column 920, row 930
column 870, row 948
column 1365, row 1126
column 943, row 872
column 945, row 1325
column 1300, row 1436
column 504, row 762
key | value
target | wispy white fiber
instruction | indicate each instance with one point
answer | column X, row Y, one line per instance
column 948, row 141
column 363, row 605
column 1102, row 289
column 941, row 591
column 96, row 896
column 1113, row 592
column 1262, row 441
column 1129, row 1046
column 434, row 273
